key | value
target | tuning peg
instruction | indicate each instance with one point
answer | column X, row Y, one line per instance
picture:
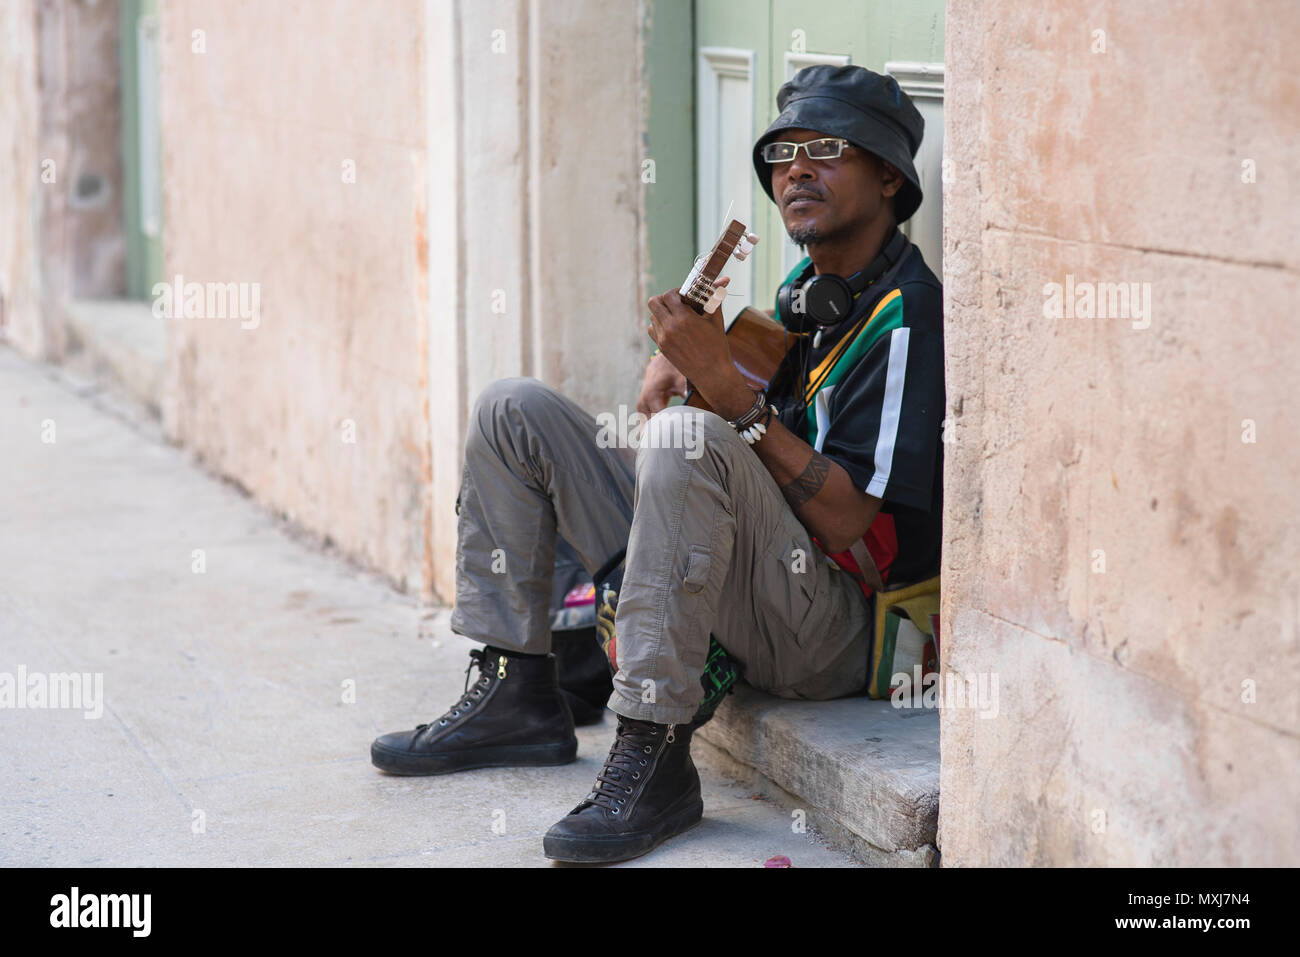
column 745, row 246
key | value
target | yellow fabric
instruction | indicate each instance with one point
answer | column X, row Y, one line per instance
column 916, row 602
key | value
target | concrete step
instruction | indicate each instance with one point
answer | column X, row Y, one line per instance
column 120, row 344
column 864, row 773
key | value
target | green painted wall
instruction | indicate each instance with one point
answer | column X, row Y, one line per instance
column 669, row 88
column 144, row 262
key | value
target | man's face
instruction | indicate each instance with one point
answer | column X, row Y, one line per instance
column 824, row 199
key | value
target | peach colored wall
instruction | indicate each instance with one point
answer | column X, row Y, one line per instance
column 61, row 199
column 1115, row 553
column 83, row 242
column 258, row 130
column 492, row 230
column 21, row 324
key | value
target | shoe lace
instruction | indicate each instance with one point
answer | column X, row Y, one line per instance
column 477, row 656
column 628, row 758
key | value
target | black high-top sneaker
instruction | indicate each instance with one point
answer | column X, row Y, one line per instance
column 513, row 716
column 647, row 792
column 584, row 673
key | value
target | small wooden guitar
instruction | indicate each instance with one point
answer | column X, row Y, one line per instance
column 758, row 342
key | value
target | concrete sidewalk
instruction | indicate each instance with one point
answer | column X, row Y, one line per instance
column 225, row 738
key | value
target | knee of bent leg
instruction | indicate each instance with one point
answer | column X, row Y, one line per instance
column 517, row 390
column 681, row 431
column 506, row 395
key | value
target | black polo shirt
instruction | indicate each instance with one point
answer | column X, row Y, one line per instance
column 875, row 393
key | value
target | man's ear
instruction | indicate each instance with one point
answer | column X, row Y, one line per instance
column 891, row 180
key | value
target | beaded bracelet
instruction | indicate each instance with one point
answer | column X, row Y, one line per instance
column 750, row 417
column 756, row 431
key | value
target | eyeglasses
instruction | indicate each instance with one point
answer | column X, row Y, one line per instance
column 824, row 149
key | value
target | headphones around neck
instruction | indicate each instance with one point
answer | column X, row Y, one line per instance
column 826, row 300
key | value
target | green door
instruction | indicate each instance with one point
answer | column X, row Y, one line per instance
column 745, row 50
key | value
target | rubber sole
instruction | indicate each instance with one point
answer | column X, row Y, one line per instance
column 612, row 848
column 506, row 756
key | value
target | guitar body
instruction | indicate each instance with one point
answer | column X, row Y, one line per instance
column 758, row 344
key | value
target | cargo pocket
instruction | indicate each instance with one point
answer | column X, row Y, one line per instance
column 794, row 598
column 698, row 560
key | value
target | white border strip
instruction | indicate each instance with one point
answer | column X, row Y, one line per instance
column 895, row 377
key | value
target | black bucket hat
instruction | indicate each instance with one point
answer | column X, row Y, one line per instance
column 867, row 109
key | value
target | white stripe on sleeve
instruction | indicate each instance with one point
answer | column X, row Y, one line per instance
column 822, row 409
column 895, row 375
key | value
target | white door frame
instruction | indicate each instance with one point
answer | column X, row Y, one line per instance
column 716, row 63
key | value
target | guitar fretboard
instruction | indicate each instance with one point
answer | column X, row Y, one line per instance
column 698, row 286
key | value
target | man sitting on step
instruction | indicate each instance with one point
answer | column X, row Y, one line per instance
column 752, row 539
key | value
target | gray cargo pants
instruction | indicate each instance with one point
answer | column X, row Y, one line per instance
column 712, row 547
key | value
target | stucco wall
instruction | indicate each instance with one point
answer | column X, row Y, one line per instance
column 536, row 143
column 1115, row 553
column 492, row 230
column 61, row 197
column 83, row 244
column 260, row 133
column 20, row 196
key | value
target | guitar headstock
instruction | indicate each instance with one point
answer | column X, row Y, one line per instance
column 700, row 288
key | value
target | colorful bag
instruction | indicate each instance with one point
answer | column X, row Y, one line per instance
column 919, row 603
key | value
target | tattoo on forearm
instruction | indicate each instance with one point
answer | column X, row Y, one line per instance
column 803, row 489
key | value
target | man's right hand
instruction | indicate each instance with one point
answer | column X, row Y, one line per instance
column 662, row 382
